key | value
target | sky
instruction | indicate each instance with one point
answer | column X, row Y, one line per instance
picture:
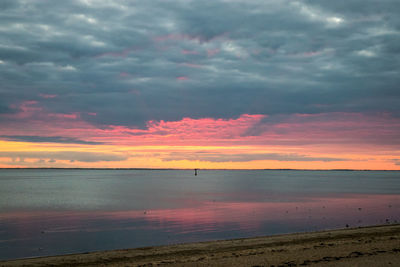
column 250, row 84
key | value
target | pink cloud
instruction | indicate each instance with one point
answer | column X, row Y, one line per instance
column 331, row 128
column 182, row 78
column 186, row 130
column 35, row 120
column 73, row 116
column 340, row 130
column 205, row 128
column 26, row 109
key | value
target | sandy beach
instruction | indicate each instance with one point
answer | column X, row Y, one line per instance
column 366, row 246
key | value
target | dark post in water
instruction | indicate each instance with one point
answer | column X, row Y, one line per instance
column 195, row 172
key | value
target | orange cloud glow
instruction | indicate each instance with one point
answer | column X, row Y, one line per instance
column 251, row 141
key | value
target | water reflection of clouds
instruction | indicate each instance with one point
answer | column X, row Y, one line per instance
column 60, row 231
column 251, row 214
column 245, row 213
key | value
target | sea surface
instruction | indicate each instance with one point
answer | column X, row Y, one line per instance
column 50, row 212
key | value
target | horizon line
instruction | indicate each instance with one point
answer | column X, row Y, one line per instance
column 210, row 169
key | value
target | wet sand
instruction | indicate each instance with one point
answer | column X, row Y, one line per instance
column 367, row 246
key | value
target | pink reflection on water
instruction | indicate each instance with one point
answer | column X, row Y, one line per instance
column 361, row 209
column 39, row 233
column 322, row 212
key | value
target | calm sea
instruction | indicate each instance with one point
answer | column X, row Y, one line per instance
column 50, row 212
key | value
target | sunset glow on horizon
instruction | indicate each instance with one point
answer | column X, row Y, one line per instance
column 301, row 141
column 292, row 85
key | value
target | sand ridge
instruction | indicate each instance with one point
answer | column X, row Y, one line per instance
column 366, row 246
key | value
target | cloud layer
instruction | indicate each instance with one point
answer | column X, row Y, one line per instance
column 129, row 62
column 284, row 72
column 64, row 155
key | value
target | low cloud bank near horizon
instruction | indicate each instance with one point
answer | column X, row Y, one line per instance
column 243, row 157
column 72, row 156
column 47, row 139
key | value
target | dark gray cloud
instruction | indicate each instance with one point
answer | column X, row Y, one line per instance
column 47, row 139
column 72, row 156
column 396, row 161
column 134, row 61
column 220, row 157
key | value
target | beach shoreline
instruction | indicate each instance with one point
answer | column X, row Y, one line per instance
column 368, row 246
